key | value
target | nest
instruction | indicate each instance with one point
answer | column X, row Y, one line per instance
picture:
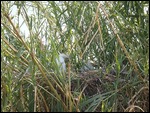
column 93, row 82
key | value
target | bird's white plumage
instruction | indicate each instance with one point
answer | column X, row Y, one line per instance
column 87, row 66
column 61, row 62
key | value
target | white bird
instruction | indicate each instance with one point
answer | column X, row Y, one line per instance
column 61, row 61
column 87, row 66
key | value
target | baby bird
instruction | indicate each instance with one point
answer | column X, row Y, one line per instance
column 88, row 66
column 61, row 61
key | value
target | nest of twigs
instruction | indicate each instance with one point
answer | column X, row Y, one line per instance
column 93, row 81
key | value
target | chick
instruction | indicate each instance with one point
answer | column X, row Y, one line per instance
column 87, row 66
column 61, row 61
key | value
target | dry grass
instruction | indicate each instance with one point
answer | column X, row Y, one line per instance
column 108, row 33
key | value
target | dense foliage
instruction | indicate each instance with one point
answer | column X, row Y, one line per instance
column 114, row 35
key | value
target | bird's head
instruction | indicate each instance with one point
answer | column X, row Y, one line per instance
column 64, row 56
column 61, row 61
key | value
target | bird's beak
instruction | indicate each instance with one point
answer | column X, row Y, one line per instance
column 66, row 57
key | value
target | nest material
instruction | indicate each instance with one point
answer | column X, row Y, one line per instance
column 94, row 81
